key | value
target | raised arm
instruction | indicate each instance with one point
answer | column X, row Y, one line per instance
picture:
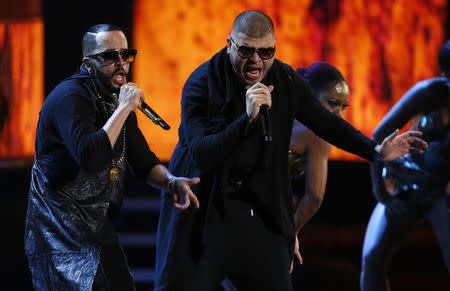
column 208, row 145
column 423, row 97
column 327, row 125
column 342, row 134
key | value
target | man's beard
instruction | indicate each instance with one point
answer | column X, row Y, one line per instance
column 105, row 79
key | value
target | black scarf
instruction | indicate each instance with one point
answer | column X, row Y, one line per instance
column 258, row 163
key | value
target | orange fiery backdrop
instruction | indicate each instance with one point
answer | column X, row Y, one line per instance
column 381, row 47
column 21, row 76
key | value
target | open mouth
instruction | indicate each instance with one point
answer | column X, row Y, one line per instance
column 119, row 78
column 252, row 73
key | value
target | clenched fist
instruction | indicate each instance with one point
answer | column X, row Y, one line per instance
column 256, row 96
column 130, row 95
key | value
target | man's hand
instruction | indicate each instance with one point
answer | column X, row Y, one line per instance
column 182, row 193
column 130, row 95
column 256, row 96
column 297, row 254
column 394, row 146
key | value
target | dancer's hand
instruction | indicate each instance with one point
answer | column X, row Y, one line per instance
column 182, row 193
column 297, row 254
column 394, row 146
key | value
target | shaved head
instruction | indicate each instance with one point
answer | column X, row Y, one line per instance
column 253, row 23
column 252, row 31
column 89, row 43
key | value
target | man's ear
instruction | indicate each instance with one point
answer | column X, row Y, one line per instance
column 87, row 62
column 228, row 44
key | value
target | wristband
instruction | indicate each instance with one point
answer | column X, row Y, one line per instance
column 171, row 183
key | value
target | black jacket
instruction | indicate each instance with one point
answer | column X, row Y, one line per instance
column 216, row 141
column 71, row 192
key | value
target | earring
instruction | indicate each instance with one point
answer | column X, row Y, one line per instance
column 88, row 66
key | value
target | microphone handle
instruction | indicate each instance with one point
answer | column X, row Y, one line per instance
column 152, row 115
column 266, row 123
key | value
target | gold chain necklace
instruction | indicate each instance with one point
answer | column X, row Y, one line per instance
column 114, row 172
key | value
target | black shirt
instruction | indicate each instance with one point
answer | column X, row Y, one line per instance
column 220, row 142
column 70, row 135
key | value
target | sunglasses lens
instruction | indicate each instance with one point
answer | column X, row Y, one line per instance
column 266, row 53
column 245, row 51
column 129, row 55
column 110, row 56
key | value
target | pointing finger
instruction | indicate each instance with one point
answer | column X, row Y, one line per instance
column 412, row 133
column 393, row 135
column 254, row 86
column 194, row 200
column 195, row 180
column 415, row 150
column 300, row 259
column 417, row 142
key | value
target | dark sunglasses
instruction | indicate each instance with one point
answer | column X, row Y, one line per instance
column 128, row 55
column 246, row 52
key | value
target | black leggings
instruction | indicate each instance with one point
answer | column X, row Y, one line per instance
column 386, row 231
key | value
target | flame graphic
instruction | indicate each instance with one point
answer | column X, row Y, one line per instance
column 21, row 86
column 381, row 47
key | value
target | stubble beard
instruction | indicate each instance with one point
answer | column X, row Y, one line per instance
column 105, row 80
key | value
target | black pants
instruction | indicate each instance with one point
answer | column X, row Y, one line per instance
column 113, row 272
column 240, row 247
column 386, row 231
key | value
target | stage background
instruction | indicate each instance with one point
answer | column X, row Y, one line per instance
column 381, row 47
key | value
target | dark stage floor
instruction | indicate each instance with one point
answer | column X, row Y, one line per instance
column 331, row 243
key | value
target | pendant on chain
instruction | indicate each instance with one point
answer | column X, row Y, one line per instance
column 114, row 174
